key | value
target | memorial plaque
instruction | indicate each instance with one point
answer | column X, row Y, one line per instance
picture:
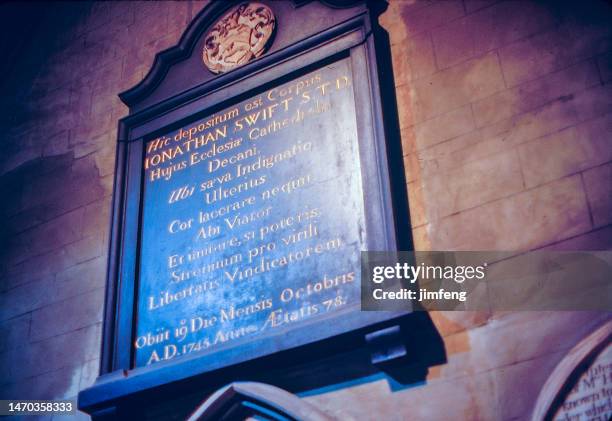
column 590, row 399
column 253, row 168
column 253, row 219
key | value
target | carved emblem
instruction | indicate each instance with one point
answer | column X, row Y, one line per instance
column 241, row 35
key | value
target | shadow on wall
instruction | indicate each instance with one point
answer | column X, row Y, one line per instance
column 45, row 223
column 425, row 349
column 37, row 31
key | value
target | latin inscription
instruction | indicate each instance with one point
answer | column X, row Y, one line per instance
column 252, row 220
column 591, row 397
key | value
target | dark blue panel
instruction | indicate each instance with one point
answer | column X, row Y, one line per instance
column 253, row 219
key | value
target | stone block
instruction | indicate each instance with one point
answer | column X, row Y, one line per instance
column 58, row 384
column 69, row 350
column 116, row 41
column 84, row 187
column 150, row 23
column 95, row 56
column 456, row 86
column 593, row 102
column 520, row 384
column 14, row 332
column 550, row 291
column 107, row 101
column 63, row 230
column 560, row 154
column 471, row 185
column 545, row 53
column 52, row 80
column 79, row 279
column 508, row 21
column 105, row 79
column 454, row 42
column 458, row 364
column 15, row 250
column 68, row 315
column 136, row 65
column 467, row 397
column 32, row 285
column 87, row 248
column 96, row 17
column 488, row 29
column 43, row 266
column 131, row 77
column 545, row 120
column 556, row 87
column 419, row 19
column 598, row 130
column 530, row 219
column 512, row 337
column 454, row 153
column 413, row 58
column 45, row 190
column 121, row 13
column 478, row 144
column 600, row 239
column 13, row 161
column 24, row 298
column 598, row 186
column 96, row 219
column 179, row 16
column 54, row 113
column 87, row 130
column 444, row 127
column 449, row 155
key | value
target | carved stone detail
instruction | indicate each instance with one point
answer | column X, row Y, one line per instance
column 228, row 403
column 241, row 35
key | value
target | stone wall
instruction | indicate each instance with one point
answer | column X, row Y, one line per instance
column 57, row 165
column 506, row 124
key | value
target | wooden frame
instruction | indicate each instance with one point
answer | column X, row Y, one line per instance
column 158, row 104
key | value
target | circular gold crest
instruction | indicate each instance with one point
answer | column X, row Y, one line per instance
column 241, row 35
